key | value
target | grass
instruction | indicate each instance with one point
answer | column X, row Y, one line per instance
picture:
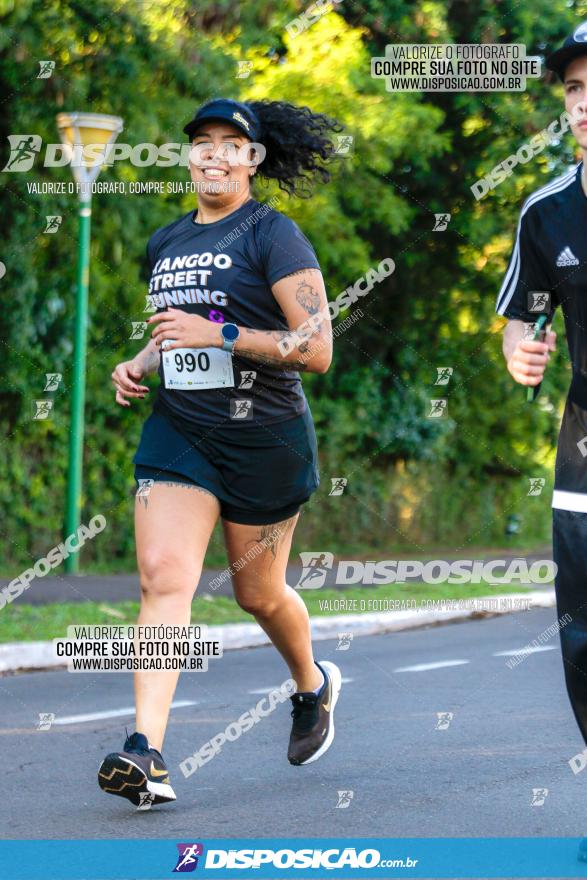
column 22, row 622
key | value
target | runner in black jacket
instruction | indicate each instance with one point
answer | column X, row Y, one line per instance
column 550, row 257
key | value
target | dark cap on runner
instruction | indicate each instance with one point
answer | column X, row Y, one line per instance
column 226, row 110
column 574, row 46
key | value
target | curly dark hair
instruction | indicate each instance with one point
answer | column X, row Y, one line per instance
column 298, row 145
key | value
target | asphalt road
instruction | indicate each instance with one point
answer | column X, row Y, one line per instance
column 512, row 732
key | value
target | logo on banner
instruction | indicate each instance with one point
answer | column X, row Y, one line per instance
column 315, row 567
column 188, row 857
column 24, row 149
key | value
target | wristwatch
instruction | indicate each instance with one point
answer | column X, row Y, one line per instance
column 230, row 333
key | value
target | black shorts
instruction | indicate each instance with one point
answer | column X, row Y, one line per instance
column 260, row 474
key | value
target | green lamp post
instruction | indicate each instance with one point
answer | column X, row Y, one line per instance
column 78, row 131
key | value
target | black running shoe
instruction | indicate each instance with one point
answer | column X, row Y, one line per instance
column 137, row 773
column 313, row 718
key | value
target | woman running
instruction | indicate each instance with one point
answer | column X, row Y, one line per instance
column 231, row 433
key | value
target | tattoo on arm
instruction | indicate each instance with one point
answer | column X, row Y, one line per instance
column 279, row 335
column 270, row 361
column 308, row 298
column 298, row 272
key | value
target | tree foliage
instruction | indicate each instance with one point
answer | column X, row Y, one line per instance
column 410, row 478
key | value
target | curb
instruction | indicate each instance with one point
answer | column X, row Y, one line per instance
column 15, row 656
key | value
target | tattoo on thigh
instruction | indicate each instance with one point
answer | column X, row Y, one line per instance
column 143, row 495
column 272, row 535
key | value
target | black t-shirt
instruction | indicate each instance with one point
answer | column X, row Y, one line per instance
column 550, row 254
column 223, row 271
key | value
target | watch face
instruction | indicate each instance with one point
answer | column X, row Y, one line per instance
column 230, row 332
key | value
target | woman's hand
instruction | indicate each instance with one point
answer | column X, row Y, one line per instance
column 125, row 377
column 187, row 331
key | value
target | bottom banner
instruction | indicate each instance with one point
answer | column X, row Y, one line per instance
column 509, row 857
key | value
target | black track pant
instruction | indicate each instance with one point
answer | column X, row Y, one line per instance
column 570, row 555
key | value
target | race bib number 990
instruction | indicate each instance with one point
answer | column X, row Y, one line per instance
column 192, row 369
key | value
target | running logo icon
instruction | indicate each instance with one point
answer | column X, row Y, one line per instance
column 247, row 378
column 443, row 375
column 23, row 151
column 444, row 719
column 344, row 799
column 241, row 409
column 244, row 69
column 143, row 490
column 441, row 222
column 53, row 223
column 42, row 409
column 339, row 484
column 188, row 857
column 344, row 146
column 315, row 567
column 146, row 800
column 539, row 300
column 438, row 409
column 46, row 69
column 536, row 485
column 52, row 381
column 567, row 258
column 539, row 795
column 138, row 329
column 46, row 719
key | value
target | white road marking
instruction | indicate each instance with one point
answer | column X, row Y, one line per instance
column 424, row 667
column 262, row 691
column 113, row 713
column 527, row 649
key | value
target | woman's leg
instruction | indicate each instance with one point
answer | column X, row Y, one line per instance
column 260, row 589
column 173, row 525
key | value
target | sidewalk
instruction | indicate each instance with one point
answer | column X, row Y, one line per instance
column 16, row 656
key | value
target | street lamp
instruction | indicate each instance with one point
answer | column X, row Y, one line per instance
column 78, row 131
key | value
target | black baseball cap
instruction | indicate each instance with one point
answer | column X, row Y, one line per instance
column 239, row 115
column 574, row 46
